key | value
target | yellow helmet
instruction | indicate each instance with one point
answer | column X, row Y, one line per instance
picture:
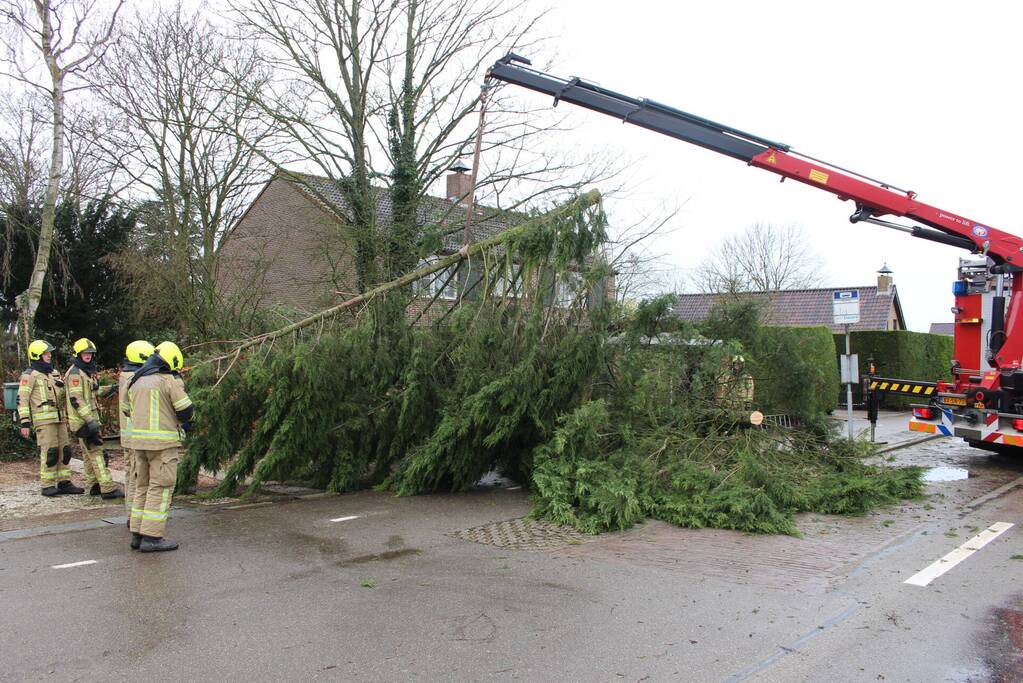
column 84, row 345
column 37, row 348
column 170, row 352
column 138, row 351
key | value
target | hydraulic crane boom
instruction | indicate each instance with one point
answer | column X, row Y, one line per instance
column 873, row 199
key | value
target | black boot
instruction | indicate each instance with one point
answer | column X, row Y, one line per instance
column 94, row 490
column 50, row 491
column 153, row 544
column 68, row 488
column 136, row 540
column 110, row 495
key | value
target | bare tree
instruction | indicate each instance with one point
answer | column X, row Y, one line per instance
column 23, row 122
column 70, row 36
column 762, row 258
column 24, row 139
column 326, row 56
column 91, row 174
column 191, row 141
column 640, row 272
column 22, row 171
column 385, row 94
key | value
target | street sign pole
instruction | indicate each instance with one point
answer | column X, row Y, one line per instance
column 846, row 311
column 871, row 398
column 848, row 386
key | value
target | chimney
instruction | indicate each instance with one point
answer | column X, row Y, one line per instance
column 884, row 280
column 459, row 184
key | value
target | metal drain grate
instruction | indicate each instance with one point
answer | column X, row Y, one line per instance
column 522, row 534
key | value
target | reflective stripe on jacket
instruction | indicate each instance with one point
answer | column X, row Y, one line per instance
column 39, row 398
column 154, row 401
column 123, row 408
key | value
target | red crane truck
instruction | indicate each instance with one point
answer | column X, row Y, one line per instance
column 983, row 403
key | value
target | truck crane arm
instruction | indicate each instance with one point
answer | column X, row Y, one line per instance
column 874, row 199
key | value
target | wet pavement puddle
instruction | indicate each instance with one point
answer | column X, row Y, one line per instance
column 946, row 474
column 377, row 557
column 1003, row 642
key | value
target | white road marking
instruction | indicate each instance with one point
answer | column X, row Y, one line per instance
column 514, row 488
column 345, row 519
column 73, row 564
column 928, row 574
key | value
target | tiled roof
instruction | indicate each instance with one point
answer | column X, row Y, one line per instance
column 947, row 329
column 801, row 307
column 432, row 210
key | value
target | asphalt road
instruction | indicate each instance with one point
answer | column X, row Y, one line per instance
column 370, row 587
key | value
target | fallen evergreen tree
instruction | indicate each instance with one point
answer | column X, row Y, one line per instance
column 605, row 427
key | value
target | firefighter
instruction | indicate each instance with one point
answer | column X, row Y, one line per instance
column 83, row 391
column 735, row 386
column 134, row 356
column 744, row 381
column 160, row 411
column 40, row 399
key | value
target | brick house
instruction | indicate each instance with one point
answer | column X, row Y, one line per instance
column 289, row 249
column 880, row 308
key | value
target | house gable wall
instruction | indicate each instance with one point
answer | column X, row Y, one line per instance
column 287, row 251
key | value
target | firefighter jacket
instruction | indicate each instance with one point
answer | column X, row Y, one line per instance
column 123, row 407
column 40, row 398
column 158, row 405
column 82, row 392
column 735, row 390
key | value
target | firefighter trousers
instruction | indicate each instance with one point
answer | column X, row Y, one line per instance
column 54, row 454
column 129, row 479
column 96, row 471
column 155, row 475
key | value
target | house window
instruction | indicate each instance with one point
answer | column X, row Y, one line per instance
column 567, row 289
column 504, row 284
column 433, row 285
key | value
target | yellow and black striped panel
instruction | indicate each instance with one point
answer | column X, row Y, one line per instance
column 902, row 386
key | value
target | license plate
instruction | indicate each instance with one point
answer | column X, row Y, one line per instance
column 953, row 401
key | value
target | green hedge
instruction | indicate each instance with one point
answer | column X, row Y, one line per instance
column 900, row 355
column 794, row 371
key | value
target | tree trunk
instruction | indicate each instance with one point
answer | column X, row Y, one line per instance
column 28, row 301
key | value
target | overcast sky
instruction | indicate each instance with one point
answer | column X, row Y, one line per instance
column 920, row 94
